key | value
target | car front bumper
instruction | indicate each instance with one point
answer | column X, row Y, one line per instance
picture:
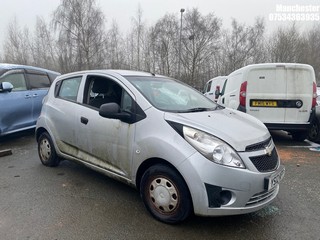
column 218, row 190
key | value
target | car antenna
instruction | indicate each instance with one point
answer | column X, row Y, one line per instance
column 153, row 74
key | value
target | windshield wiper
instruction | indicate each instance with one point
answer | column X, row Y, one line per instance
column 198, row 109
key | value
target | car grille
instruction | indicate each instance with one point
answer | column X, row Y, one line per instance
column 266, row 163
column 260, row 197
column 258, row 146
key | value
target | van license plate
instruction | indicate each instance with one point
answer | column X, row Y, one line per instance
column 256, row 103
column 274, row 179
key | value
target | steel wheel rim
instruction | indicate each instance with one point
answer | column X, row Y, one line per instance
column 45, row 149
column 163, row 195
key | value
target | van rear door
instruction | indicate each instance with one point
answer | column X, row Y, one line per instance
column 299, row 92
column 265, row 86
column 280, row 94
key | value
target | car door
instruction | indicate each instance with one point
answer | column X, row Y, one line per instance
column 16, row 106
column 38, row 83
column 63, row 113
column 107, row 143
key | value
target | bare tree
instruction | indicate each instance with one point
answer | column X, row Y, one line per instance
column 137, row 32
column 163, row 45
column 243, row 45
column 285, row 45
column 81, row 34
column 17, row 47
column 115, row 48
column 200, row 38
column 310, row 49
column 43, row 49
column 78, row 39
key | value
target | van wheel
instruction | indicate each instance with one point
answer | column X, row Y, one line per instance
column 46, row 151
column 299, row 136
column 165, row 194
column 314, row 132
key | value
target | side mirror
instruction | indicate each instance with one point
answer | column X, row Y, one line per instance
column 112, row 110
column 6, row 87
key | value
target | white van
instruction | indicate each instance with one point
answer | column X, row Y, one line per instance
column 213, row 87
column 281, row 95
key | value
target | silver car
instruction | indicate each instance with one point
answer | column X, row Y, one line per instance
column 183, row 152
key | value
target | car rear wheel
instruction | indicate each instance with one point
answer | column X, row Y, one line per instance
column 46, row 151
column 165, row 194
column 314, row 132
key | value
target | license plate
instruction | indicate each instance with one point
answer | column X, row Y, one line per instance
column 275, row 178
column 261, row 103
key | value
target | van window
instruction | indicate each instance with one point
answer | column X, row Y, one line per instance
column 224, row 87
column 208, row 87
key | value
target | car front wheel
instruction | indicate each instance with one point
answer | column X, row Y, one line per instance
column 46, row 151
column 165, row 194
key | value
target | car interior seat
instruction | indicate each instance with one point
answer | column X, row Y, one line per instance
column 105, row 93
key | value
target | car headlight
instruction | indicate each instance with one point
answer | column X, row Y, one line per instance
column 212, row 148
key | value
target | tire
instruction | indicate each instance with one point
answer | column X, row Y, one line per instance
column 46, row 151
column 299, row 136
column 165, row 194
column 314, row 132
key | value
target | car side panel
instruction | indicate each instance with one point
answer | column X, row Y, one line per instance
column 37, row 97
column 61, row 110
column 16, row 111
column 105, row 142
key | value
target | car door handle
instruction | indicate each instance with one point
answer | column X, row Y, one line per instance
column 84, row 120
column 27, row 96
column 35, row 95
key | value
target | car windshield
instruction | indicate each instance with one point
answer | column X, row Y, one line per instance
column 171, row 95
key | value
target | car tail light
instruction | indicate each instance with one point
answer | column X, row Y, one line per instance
column 314, row 95
column 243, row 94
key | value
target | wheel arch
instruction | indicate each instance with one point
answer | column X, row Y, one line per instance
column 39, row 131
column 154, row 161
column 150, row 162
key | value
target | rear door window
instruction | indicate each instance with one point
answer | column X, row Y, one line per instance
column 38, row 81
column 69, row 88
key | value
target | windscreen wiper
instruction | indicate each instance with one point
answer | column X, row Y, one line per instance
column 198, row 109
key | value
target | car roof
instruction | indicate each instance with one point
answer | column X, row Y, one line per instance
column 271, row 65
column 114, row 72
column 8, row 66
column 131, row 73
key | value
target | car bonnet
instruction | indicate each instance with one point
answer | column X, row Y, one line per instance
column 237, row 129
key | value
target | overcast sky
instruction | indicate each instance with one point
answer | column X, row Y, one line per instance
column 122, row 11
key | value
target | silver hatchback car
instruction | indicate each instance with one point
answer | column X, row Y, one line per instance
column 183, row 152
